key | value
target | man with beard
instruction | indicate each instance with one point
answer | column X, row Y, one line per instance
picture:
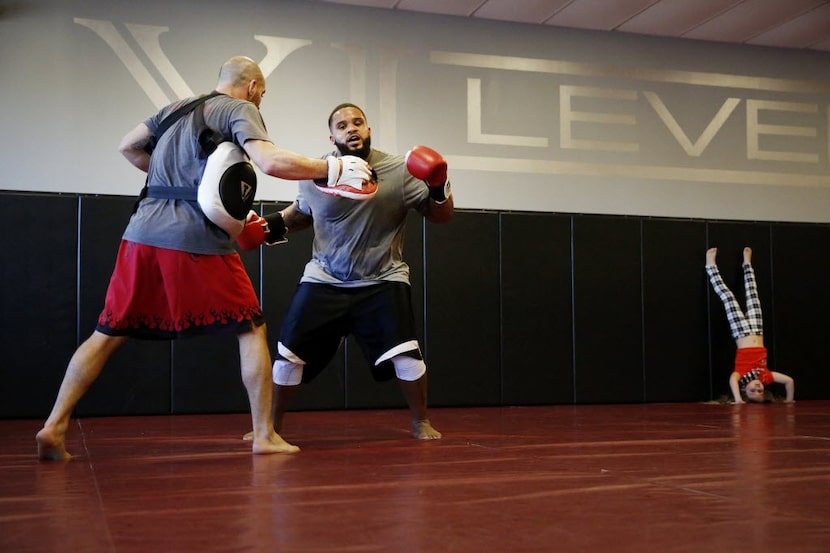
column 356, row 281
column 177, row 275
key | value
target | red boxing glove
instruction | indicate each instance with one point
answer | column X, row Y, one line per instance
column 429, row 166
column 253, row 234
column 269, row 230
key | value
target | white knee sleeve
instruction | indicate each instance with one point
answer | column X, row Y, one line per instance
column 287, row 373
column 408, row 368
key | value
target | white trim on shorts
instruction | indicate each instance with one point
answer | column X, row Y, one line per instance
column 288, row 354
column 397, row 350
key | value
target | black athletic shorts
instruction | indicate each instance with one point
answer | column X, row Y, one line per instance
column 379, row 317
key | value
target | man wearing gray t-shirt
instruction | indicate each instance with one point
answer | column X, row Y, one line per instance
column 356, row 281
column 177, row 274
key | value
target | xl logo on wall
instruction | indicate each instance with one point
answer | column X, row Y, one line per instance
column 147, row 37
column 765, row 121
column 604, row 111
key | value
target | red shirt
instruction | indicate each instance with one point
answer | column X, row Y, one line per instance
column 751, row 364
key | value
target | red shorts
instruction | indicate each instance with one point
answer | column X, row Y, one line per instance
column 156, row 293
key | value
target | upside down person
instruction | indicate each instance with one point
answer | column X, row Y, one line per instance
column 751, row 374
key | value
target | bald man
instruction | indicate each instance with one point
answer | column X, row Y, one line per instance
column 169, row 245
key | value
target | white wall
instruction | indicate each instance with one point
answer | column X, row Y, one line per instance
column 529, row 117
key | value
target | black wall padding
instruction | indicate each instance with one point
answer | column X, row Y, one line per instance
column 801, row 303
column 463, row 345
column 136, row 380
column 675, row 344
column 39, row 241
column 536, row 309
column 608, row 310
column 512, row 308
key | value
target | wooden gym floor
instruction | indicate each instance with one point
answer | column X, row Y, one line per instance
column 612, row 478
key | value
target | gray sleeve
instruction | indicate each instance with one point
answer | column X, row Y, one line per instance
column 246, row 124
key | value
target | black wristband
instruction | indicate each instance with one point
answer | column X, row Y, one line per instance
column 275, row 229
column 440, row 193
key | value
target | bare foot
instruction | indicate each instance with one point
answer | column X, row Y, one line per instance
column 747, row 256
column 711, row 255
column 423, row 430
column 248, row 436
column 51, row 446
column 273, row 444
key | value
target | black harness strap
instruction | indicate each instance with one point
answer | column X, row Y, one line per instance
column 187, row 193
column 172, row 192
column 168, row 121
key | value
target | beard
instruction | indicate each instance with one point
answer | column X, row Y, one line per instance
column 362, row 152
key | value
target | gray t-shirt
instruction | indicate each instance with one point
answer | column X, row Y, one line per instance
column 179, row 224
column 357, row 243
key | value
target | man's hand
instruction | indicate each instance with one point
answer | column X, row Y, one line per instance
column 349, row 177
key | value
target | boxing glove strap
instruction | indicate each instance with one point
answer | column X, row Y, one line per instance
column 275, row 229
column 440, row 193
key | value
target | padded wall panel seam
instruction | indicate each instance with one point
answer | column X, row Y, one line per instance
column 789, row 262
column 462, row 317
column 536, row 309
column 136, row 380
column 675, row 323
column 38, row 239
column 608, row 310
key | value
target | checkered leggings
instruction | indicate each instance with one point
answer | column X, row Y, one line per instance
column 742, row 324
